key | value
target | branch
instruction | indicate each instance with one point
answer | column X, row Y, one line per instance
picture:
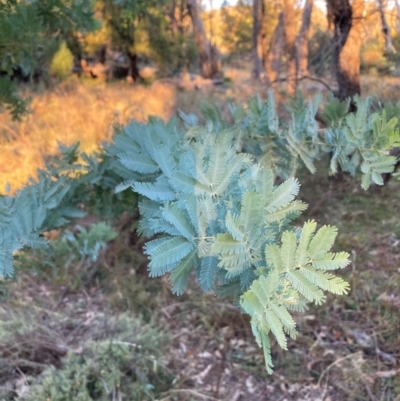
column 306, row 77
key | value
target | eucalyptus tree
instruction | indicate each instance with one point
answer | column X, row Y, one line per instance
column 123, row 18
column 210, row 63
column 347, row 19
column 27, row 29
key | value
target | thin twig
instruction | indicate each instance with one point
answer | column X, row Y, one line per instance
column 8, row 389
column 306, row 77
column 334, row 364
column 191, row 392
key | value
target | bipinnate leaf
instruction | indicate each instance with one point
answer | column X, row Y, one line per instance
column 366, row 181
column 332, row 261
column 179, row 220
column 305, row 238
column 155, row 191
column 273, row 256
column 208, row 271
column 265, row 184
column 149, row 208
column 326, row 281
column 216, row 165
column 276, row 327
column 284, row 316
column 282, row 213
column 165, row 160
column 266, row 345
column 235, row 264
column 180, row 275
column 288, row 250
column 225, row 244
column 206, row 209
column 138, row 162
column 384, row 164
column 165, row 252
column 232, row 222
column 237, row 163
column 322, row 242
column 182, row 183
column 251, row 211
column 305, row 287
column 283, row 195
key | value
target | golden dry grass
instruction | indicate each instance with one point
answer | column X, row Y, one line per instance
column 71, row 113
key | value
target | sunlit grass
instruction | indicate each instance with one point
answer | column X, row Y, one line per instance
column 74, row 112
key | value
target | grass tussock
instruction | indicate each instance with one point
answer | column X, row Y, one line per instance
column 91, row 357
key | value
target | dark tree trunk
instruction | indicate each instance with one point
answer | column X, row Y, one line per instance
column 348, row 26
column 210, row 63
column 257, row 38
column 289, row 22
column 386, row 29
column 133, row 66
column 302, row 40
column 272, row 60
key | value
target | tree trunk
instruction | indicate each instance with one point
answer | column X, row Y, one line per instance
column 348, row 25
column 302, row 40
column 210, row 63
column 172, row 18
column 386, row 29
column 257, row 38
column 272, row 60
column 133, row 66
column 289, row 22
column 396, row 2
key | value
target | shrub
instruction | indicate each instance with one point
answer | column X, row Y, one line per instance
column 112, row 357
column 209, row 194
column 126, row 365
column 62, row 63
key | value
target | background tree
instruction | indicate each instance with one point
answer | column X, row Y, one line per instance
column 272, row 59
column 385, row 28
column 348, row 29
column 258, row 51
column 289, row 21
column 30, row 32
column 235, row 28
column 302, row 40
column 123, row 18
column 397, row 5
column 170, row 38
column 210, row 63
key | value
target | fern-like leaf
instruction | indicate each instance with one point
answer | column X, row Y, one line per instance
column 332, row 261
column 305, row 287
column 324, row 280
column 180, row 275
column 138, row 162
column 178, row 219
column 155, row 191
column 283, row 195
column 305, row 238
column 208, row 271
column 322, row 242
column 165, row 252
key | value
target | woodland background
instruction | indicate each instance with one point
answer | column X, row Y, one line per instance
column 73, row 71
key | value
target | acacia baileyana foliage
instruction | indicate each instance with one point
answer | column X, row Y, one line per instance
column 210, row 203
column 358, row 141
column 217, row 213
